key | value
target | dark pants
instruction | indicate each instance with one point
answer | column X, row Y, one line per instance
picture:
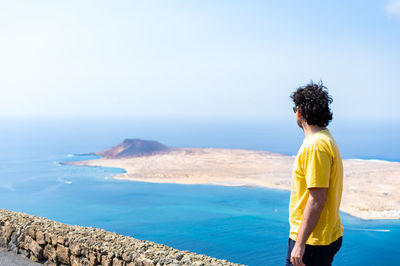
column 316, row 255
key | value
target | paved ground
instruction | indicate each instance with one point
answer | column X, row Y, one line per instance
column 12, row 259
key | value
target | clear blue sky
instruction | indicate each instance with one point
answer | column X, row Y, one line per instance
column 197, row 58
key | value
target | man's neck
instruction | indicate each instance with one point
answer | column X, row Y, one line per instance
column 311, row 129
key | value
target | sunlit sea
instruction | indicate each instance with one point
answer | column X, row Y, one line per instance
column 241, row 224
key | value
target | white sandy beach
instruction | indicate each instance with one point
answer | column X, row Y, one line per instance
column 371, row 187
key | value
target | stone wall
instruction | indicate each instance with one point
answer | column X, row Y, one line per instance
column 54, row 243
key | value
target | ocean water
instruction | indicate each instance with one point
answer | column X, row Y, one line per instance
column 240, row 224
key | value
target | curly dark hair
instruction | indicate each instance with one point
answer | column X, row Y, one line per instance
column 313, row 102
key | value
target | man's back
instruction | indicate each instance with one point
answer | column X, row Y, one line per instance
column 318, row 164
column 317, row 183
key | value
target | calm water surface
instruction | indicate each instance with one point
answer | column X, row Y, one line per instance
column 240, row 224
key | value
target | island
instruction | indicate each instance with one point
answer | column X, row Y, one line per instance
column 371, row 188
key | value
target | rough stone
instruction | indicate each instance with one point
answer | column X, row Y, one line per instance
column 179, row 256
column 36, row 249
column 93, row 258
column 61, row 240
column 24, row 242
column 7, row 232
column 84, row 261
column 25, row 253
column 62, row 254
column 148, row 262
column 75, row 249
column 49, row 252
column 31, row 232
column 127, row 257
column 53, row 239
column 106, row 261
column 40, row 238
column 33, row 257
column 186, row 259
column 49, row 263
column 13, row 244
column 59, row 244
column 47, row 238
column 75, row 261
column 118, row 262
column 3, row 243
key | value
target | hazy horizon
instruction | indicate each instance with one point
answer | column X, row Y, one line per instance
column 197, row 58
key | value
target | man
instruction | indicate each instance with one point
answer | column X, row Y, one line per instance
column 317, row 182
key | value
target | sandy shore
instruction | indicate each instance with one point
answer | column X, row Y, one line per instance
column 371, row 188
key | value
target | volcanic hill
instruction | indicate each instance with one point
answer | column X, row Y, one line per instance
column 133, row 147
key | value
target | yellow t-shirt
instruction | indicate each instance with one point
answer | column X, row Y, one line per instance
column 318, row 164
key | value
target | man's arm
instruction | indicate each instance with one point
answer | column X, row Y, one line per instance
column 312, row 212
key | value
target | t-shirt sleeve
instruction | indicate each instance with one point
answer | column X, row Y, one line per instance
column 317, row 168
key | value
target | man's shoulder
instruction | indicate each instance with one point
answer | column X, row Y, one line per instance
column 318, row 142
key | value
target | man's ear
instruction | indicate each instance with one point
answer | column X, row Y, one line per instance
column 298, row 113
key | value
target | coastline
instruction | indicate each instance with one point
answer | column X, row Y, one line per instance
column 370, row 186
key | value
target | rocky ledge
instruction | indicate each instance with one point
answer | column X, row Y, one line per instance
column 53, row 243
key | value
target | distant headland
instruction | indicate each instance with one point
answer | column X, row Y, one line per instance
column 133, row 147
column 371, row 187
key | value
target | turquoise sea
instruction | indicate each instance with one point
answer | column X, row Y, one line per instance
column 240, row 224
